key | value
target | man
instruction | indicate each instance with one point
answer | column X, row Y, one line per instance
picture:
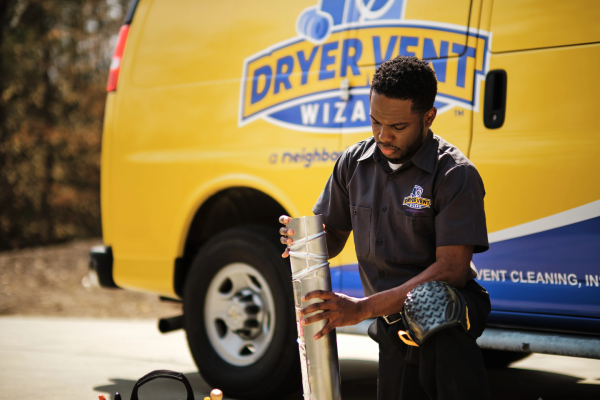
column 415, row 204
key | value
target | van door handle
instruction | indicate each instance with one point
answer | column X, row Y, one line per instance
column 494, row 107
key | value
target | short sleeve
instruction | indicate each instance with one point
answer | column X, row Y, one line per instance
column 333, row 203
column 460, row 218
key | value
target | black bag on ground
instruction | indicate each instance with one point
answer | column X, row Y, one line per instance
column 161, row 373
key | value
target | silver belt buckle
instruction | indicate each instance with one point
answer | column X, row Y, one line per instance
column 392, row 322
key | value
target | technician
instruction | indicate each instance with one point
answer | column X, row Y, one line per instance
column 415, row 205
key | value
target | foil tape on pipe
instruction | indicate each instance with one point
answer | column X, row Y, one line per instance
column 310, row 271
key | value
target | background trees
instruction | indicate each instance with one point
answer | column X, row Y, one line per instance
column 54, row 60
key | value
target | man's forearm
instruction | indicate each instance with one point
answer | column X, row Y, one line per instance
column 448, row 269
column 391, row 301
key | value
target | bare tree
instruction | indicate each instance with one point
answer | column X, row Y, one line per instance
column 54, row 60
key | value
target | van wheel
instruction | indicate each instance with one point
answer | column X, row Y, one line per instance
column 239, row 315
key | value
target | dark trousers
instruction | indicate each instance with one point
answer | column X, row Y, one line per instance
column 447, row 366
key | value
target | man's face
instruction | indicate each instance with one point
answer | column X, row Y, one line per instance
column 397, row 130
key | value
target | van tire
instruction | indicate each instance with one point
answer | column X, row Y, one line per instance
column 277, row 371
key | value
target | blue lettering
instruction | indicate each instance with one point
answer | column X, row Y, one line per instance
column 462, row 62
column 405, row 43
column 388, row 52
column 305, row 158
column 308, row 158
column 258, row 96
column 317, row 155
column 305, row 64
column 283, row 77
column 327, row 60
column 439, row 64
column 351, row 60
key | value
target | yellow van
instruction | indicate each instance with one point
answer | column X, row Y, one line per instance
column 223, row 115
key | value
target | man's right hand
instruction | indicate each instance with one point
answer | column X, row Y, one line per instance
column 335, row 239
column 285, row 232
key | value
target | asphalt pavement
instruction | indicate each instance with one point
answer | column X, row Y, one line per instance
column 67, row 358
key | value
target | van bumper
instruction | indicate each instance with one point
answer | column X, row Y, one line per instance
column 101, row 267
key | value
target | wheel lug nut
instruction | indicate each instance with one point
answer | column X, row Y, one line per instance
column 253, row 309
column 251, row 323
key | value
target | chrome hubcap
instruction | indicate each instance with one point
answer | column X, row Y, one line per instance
column 239, row 314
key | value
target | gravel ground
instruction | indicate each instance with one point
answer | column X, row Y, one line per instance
column 52, row 281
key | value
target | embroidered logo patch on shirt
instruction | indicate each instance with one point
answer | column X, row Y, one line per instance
column 415, row 200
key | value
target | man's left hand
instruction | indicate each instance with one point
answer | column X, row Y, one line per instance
column 338, row 309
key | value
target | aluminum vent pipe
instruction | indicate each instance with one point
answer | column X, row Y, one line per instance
column 310, row 271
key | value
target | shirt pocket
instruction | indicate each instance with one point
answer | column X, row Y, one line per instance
column 361, row 225
column 415, row 239
column 418, row 222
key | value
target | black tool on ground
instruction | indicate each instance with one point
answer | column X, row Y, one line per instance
column 161, row 373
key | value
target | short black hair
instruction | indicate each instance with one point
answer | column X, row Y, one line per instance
column 407, row 78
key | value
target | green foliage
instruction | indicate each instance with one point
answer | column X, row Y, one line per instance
column 54, row 60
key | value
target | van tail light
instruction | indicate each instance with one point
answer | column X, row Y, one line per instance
column 115, row 64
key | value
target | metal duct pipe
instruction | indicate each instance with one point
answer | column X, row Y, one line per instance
column 310, row 271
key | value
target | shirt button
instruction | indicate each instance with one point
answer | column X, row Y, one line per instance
column 379, row 241
column 354, row 212
column 414, row 221
column 384, row 208
column 381, row 273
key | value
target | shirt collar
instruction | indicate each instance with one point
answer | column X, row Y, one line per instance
column 369, row 151
column 423, row 158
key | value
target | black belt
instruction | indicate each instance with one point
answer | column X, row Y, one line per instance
column 392, row 318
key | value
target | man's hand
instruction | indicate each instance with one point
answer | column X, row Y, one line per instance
column 285, row 232
column 338, row 309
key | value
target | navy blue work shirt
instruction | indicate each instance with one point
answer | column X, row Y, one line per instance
column 400, row 217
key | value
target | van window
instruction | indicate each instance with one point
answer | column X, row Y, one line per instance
column 181, row 42
column 534, row 24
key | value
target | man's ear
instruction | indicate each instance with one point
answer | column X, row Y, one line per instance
column 430, row 117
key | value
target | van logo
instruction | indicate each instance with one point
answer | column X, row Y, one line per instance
column 297, row 83
column 415, row 200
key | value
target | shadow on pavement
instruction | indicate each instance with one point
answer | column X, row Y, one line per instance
column 523, row 384
column 359, row 382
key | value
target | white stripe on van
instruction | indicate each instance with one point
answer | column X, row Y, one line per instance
column 578, row 214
